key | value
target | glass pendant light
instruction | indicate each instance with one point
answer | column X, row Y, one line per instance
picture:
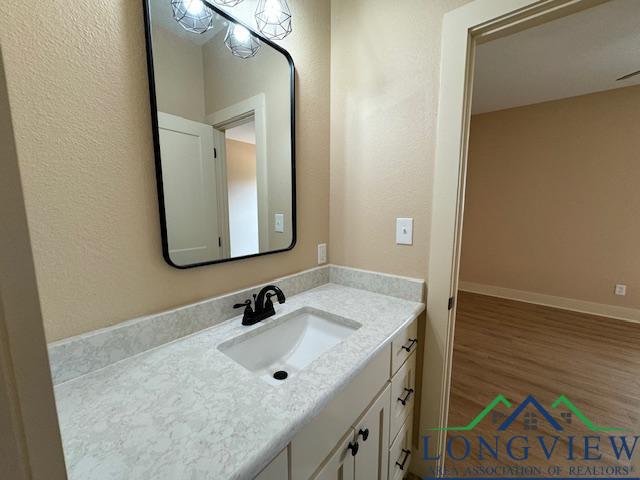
column 241, row 41
column 273, row 18
column 193, row 15
column 227, row 3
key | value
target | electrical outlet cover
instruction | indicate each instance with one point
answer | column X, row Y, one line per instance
column 322, row 253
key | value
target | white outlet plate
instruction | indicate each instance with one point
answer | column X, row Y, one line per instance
column 322, row 253
column 404, row 231
column 279, row 222
column 621, row 290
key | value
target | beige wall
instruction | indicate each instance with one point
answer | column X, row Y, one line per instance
column 79, row 101
column 384, row 100
column 89, row 178
column 242, row 188
column 552, row 198
column 179, row 75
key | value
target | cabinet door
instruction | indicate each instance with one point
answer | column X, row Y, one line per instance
column 372, row 435
column 340, row 465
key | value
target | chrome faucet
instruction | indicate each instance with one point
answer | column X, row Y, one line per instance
column 263, row 305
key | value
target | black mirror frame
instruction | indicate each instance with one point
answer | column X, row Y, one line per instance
column 156, row 138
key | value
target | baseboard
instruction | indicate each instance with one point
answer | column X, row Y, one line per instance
column 600, row 309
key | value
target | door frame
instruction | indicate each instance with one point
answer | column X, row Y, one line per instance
column 228, row 116
column 464, row 28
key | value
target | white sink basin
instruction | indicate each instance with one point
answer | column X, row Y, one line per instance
column 289, row 343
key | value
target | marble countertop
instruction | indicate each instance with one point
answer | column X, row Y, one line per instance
column 186, row 411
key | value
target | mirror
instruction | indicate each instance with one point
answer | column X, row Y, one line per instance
column 222, row 105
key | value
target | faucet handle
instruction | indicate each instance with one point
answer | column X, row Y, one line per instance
column 268, row 304
column 246, row 304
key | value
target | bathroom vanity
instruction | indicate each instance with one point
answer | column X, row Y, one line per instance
column 365, row 432
column 205, row 406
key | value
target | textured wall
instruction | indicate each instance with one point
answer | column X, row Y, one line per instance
column 79, row 101
column 552, row 198
column 385, row 76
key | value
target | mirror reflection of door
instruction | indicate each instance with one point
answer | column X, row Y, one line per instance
column 190, row 189
column 225, row 131
column 242, row 188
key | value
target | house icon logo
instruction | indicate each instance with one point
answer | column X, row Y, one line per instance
column 556, row 444
column 532, row 411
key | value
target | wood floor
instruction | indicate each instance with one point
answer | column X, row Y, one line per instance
column 518, row 349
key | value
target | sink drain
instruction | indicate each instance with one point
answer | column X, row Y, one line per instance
column 280, row 375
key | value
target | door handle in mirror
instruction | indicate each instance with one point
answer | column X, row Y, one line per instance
column 407, row 396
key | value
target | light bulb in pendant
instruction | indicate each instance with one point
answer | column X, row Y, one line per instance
column 193, row 15
column 241, row 41
column 273, row 18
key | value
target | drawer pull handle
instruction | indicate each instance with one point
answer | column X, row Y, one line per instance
column 364, row 433
column 407, row 396
column 354, row 447
column 407, row 454
column 412, row 342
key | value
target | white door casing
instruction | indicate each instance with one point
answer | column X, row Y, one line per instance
column 463, row 28
column 257, row 105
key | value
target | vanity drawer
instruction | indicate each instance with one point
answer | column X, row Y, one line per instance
column 403, row 388
column 315, row 441
column 403, row 344
column 400, row 452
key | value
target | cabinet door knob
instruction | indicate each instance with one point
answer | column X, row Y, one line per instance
column 412, row 342
column 407, row 396
column 354, row 447
column 407, row 454
column 364, row 433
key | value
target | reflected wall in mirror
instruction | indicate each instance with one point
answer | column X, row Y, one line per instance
column 222, row 101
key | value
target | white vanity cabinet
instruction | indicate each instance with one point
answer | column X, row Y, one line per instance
column 362, row 453
column 365, row 432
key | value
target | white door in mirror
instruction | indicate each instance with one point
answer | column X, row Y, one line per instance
column 404, row 231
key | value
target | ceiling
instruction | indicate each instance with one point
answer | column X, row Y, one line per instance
column 162, row 15
column 581, row 53
column 245, row 132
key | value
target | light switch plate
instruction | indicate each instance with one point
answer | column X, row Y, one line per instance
column 621, row 290
column 404, row 231
column 279, row 222
column 322, row 253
